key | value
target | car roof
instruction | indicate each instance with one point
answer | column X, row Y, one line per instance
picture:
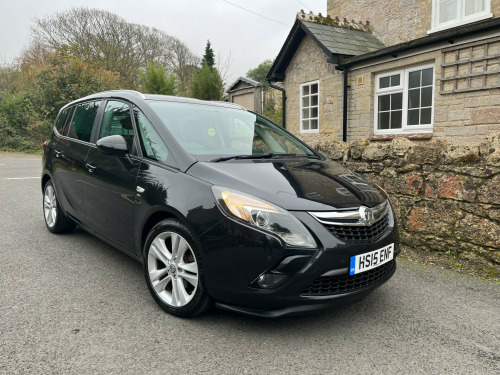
column 138, row 97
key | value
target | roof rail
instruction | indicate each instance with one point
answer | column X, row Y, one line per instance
column 133, row 92
column 230, row 103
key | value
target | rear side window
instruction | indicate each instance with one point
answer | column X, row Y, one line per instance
column 151, row 143
column 83, row 120
column 117, row 121
column 62, row 120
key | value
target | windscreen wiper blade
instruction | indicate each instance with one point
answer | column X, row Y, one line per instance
column 233, row 157
column 261, row 156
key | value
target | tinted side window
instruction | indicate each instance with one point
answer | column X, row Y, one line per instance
column 151, row 144
column 62, row 120
column 83, row 120
column 117, row 121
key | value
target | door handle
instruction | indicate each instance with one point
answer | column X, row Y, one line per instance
column 58, row 153
column 90, row 167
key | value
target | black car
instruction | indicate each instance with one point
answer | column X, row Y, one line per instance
column 218, row 203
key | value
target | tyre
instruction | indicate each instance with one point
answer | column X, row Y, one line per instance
column 55, row 219
column 173, row 270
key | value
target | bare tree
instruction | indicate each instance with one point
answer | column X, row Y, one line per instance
column 115, row 44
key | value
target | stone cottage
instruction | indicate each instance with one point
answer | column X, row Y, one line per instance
column 420, row 69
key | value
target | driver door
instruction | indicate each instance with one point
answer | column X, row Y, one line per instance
column 110, row 196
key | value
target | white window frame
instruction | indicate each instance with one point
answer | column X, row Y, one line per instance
column 302, row 130
column 461, row 20
column 403, row 87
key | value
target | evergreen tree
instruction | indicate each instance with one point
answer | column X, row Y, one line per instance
column 207, row 84
column 208, row 57
column 155, row 81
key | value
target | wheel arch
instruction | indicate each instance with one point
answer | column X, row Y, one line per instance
column 163, row 214
column 45, row 178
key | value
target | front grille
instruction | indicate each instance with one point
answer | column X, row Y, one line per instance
column 328, row 285
column 359, row 234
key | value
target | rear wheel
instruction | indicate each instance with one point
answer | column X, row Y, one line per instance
column 55, row 219
column 173, row 270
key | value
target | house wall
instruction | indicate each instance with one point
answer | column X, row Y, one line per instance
column 461, row 117
column 392, row 21
column 309, row 64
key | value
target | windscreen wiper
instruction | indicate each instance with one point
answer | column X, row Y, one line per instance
column 234, row 157
column 268, row 155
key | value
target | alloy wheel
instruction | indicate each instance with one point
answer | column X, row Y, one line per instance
column 50, row 206
column 172, row 268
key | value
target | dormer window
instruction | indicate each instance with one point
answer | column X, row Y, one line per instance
column 452, row 13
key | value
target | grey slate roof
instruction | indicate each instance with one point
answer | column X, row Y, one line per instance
column 251, row 82
column 337, row 44
column 343, row 41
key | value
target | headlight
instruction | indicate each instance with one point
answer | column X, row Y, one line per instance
column 263, row 215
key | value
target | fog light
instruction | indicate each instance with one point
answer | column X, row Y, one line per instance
column 269, row 280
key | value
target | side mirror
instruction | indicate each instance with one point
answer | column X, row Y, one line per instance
column 113, row 144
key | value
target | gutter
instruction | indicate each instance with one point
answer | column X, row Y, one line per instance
column 283, row 101
column 446, row 35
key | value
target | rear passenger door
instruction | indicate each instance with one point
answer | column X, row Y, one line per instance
column 72, row 143
column 111, row 195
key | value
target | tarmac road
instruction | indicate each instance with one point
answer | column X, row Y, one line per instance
column 72, row 304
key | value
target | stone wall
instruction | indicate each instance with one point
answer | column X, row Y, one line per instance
column 392, row 21
column 446, row 197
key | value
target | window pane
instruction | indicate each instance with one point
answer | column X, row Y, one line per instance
column 427, row 77
column 305, row 113
column 448, row 10
column 384, row 103
column 396, row 117
column 426, row 97
column 305, row 124
column 305, row 102
column 314, row 100
column 314, row 124
column 83, row 121
column 62, row 120
column 383, row 120
column 414, row 98
column 314, row 112
column 395, row 80
column 473, row 6
column 151, row 144
column 397, row 101
column 305, row 90
column 413, row 117
column 426, row 116
column 414, row 79
column 385, row 82
column 117, row 121
column 314, row 88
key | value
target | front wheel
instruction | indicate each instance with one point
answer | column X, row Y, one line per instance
column 55, row 219
column 173, row 271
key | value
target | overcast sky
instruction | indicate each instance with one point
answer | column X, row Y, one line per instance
column 248, row 38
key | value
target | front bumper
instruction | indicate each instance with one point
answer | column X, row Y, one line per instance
column 234, row 256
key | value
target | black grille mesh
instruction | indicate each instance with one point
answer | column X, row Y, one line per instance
column 359, row 234
column 343, row 284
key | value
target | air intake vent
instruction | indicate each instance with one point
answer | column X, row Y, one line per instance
column 343, row 284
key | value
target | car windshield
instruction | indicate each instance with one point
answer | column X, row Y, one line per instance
column 217, row 133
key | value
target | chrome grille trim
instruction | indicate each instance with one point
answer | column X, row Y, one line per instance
column 350, row 217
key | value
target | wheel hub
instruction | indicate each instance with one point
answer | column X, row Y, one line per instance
column 172, row 269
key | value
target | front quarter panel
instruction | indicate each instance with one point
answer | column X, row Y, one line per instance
column 177, row 194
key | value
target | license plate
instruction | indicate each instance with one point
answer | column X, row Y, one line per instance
column 367, row 261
